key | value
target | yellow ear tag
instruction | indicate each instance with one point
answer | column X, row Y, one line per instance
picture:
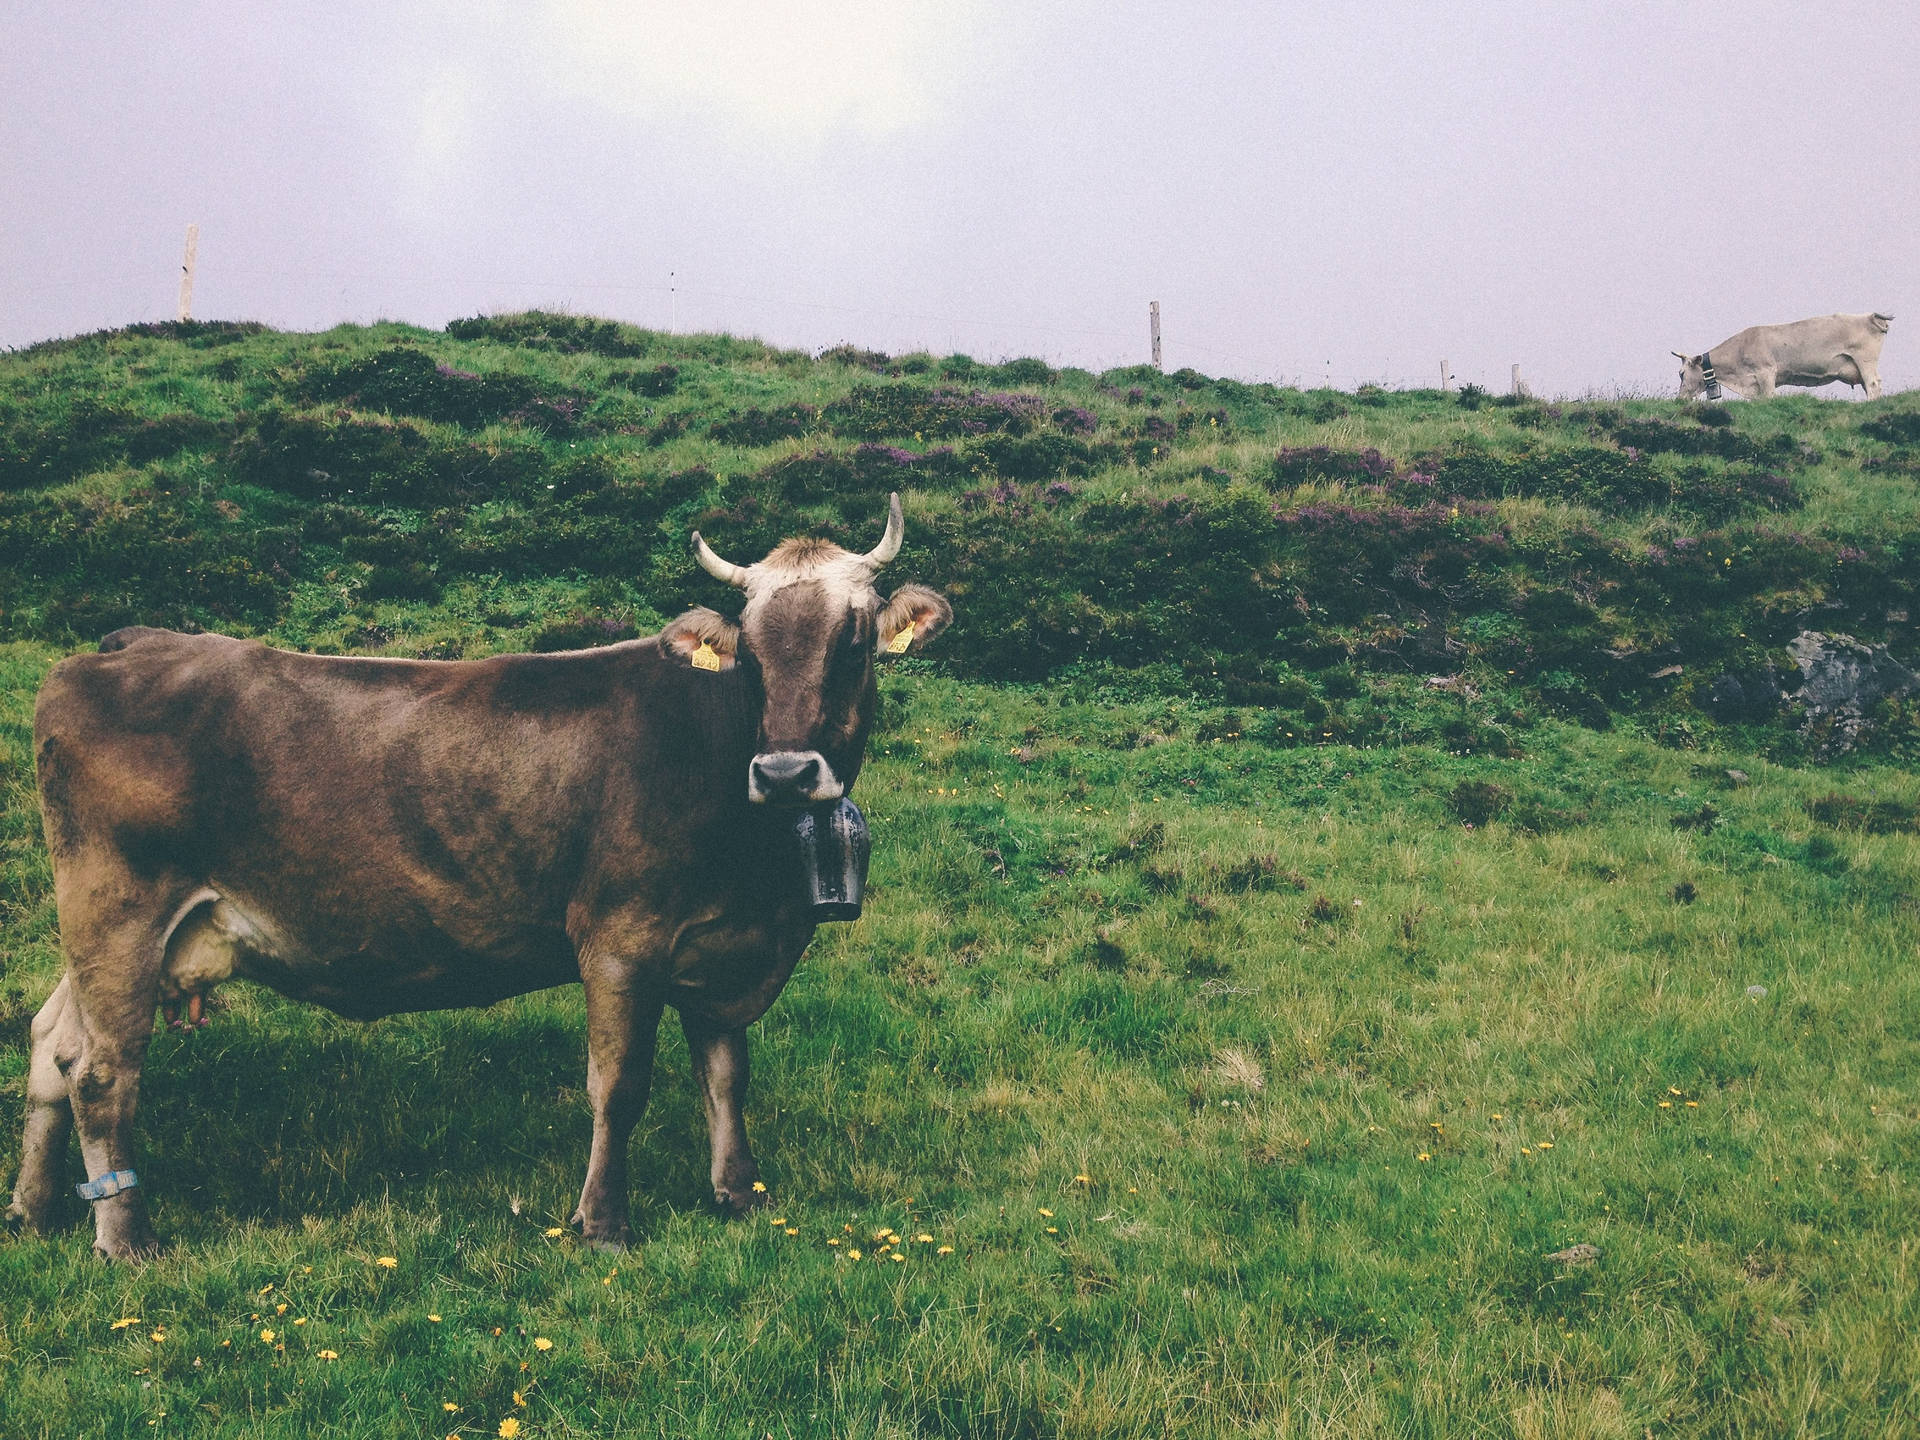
column 705, row 658
column 898, row 645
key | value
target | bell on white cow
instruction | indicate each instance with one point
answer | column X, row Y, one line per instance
column 834, row 847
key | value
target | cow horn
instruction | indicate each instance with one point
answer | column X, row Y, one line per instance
column 720, row 569
column 889, row 545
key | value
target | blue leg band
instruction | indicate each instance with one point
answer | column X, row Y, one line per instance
column 108, row 1185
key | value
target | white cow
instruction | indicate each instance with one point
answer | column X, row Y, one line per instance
column 1807, row 352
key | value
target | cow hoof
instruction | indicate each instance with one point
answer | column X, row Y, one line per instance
column 128, row 1252
column 21, row 1220
column 608, row 1239
column 735, row 1204
column 609, row 1242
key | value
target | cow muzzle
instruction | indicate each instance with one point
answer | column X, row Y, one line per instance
column 792, row 777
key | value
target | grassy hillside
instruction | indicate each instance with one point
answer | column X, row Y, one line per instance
column 1245, row 1022
column 529, row 481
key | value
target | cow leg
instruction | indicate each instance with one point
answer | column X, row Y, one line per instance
column 43, row 1146
column 720, row 1068
column 621, row 1029
column 115, row 938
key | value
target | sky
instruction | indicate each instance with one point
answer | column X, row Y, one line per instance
column 1314, row 193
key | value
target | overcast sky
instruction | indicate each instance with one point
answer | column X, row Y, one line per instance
column 1310, row 190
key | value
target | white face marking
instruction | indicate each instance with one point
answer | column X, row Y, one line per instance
column 845, row 580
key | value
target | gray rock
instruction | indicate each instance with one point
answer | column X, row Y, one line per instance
column 1581, row 1254
column 1841, row 680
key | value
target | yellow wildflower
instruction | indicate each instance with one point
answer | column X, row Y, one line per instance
column 1498, row 1116
column 126, row 1323
column 924, row 1239
column 1666, row 1104
column 266, row 1337
column 449, row 1407
column 265, row 1288
column 1671, row 1090
column 853, row 1254
column 944, row 1250
column 387, row 1262
column 1053, row 1229
column 519, row 1399
column 281, row 1308
column 1546, row 1144
column 554, row 1232
column 1046, row 1212
column 792, row 1231
column 781, row 1221
column 1083, row 1180
column 300, row 1320
column 158, row 1335
column 834, row 1241
column 509, row 1428
column 541, row 1342
column 329, row 1354
column 900, row 1259
column 434, row 1318
column 1525, row 1151
column 759, row 1187
column 1693, row 1104
column 1425, row 1156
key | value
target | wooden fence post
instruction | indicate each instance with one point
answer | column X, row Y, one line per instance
column 186, row 272
column 1446, row 378
column 1519, row 385
column 1153, row 329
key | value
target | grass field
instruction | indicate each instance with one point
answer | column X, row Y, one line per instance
column 1238, row 1027
column 1250, row 1090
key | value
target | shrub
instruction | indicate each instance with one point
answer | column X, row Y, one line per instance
column 568, row 334
column 1876, row 817
column 877, row 412
column 753, row 428
column 1477, row 802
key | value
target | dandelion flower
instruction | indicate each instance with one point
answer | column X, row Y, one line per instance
column 509, row 1428
column 265, row 1288
column 834, row 1241
column 944, row 1250
column 1053, row 1229
column 158, row 1335
column 853, row 1254
column 1546, row 1144
column 1425, row 1156
column 1672, row 1090
column 301, row 1320
column 781, row 1221
column 541, row 1342
column 1498, row 1116
column 519, row 1399
column 1083, row 1180
column 306, row 1269
column 266, row 1337
column 125, row 1324
column 1046, row 1212
column 924, row 1239
column 1525, row 1151
column 899, row 1259
column 554, row 1232
column 434, row 1318
column 387, row 1262
column 1666, row 1104
column 759, row 1187
column 281, row 1308
column 1693, row 1104
column 791, row 1230
column 329, row 1354
column 449, row 1407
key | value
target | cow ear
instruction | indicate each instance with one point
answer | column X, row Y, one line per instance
column 914, row 615
column 702, row 638
column 1678, row 356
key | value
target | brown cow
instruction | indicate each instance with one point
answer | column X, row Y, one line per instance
column 380, row 835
